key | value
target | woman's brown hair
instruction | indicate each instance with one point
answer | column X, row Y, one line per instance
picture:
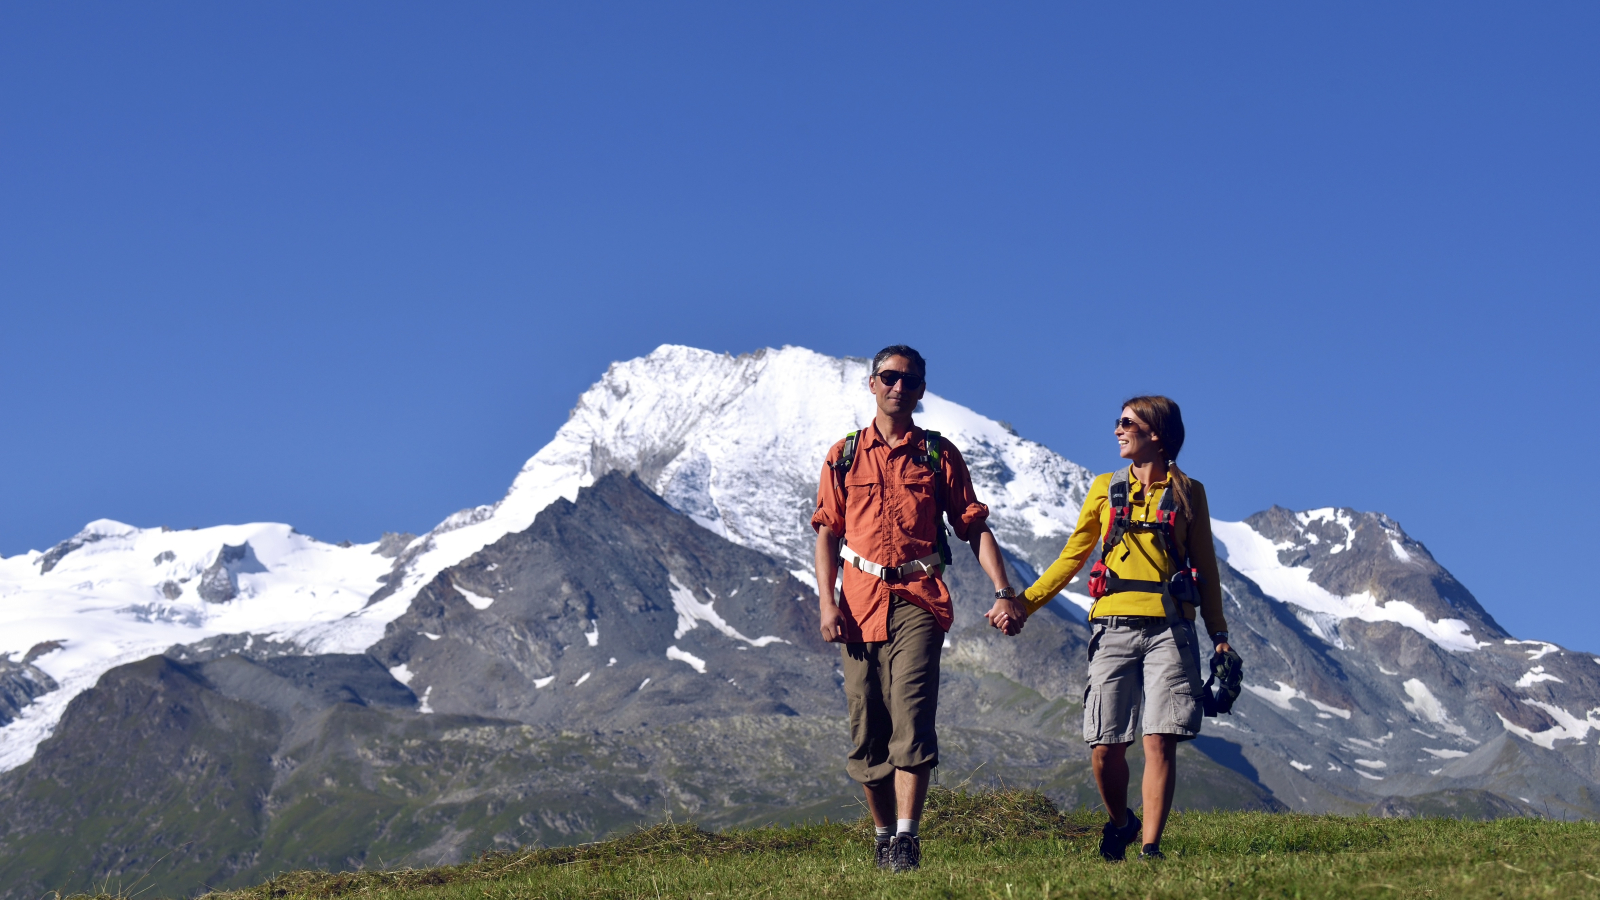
column 1165, row 421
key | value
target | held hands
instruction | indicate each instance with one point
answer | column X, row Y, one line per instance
column 1008, row 616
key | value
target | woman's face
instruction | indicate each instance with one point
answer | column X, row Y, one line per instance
column 1136, row 441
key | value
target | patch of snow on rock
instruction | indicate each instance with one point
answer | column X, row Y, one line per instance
column 478, row 601
column 1284, row 693
column 1535, row 675
column 691, row 612
column 1567, row 727
column 1425, row 706
column 695, row 662
column 1540, row 649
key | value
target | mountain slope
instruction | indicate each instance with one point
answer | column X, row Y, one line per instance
column 613, row 663
column 631, row 630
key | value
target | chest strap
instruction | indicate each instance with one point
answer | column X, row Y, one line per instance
column 932, row 564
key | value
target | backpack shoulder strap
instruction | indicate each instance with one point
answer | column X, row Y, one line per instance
column 936, row 463
column 935, row 457
column 1168, row 514
column 1117, row 496
column 847, row 458
column 1119, row 488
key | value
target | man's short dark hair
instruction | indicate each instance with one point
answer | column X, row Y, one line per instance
column 900, row 350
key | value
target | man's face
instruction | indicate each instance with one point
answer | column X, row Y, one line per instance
column 900, row 398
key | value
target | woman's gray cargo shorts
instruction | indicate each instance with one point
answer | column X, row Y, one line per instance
column 1143, row 671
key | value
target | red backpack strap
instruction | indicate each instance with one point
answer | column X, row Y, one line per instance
column 1117, row 496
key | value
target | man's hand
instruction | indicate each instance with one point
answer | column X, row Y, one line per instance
column 832, row 622
column 827, row 574
column 1008, row 616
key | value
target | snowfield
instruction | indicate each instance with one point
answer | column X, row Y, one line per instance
column 104, row 602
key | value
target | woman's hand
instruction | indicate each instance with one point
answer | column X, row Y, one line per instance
column 1008, row 616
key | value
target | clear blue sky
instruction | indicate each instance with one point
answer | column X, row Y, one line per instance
column 348, row 265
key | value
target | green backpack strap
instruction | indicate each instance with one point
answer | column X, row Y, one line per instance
column 935, row 463
column 847, row 458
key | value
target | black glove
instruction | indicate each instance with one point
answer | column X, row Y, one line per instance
column 1227, row 673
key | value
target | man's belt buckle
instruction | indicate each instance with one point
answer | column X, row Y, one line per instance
column 891, row 575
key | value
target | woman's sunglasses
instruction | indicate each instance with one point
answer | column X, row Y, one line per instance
column 890, row 378
column 1126, row 424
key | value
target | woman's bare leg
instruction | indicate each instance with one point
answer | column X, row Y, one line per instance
column 1160, row 778
column 1110, row 763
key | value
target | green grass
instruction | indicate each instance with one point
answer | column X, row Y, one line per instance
column 1015, row 844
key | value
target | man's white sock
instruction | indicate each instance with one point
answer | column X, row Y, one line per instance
column 907, row 826
column 884, row 831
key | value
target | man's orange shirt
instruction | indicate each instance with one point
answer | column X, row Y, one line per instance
column 889, row 515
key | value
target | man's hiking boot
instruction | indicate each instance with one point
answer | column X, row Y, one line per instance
column 1152, row 852
column 882, row 847
column 1114, row 841
column 905, row 853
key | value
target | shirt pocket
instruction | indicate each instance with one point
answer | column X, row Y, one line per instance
column 915, row 509
column 862, row 493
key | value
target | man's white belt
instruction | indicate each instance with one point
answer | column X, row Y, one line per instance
column 931, row 564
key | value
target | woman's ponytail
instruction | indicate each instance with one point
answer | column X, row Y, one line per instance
column 1165, row 420
column 1180, row 486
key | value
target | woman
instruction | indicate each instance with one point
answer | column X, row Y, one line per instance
column 1153, row 526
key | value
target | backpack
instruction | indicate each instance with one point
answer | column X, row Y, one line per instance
column 847, row 459
column 1182, row 587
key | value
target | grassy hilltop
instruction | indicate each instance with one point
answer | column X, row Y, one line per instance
column 1014, row 844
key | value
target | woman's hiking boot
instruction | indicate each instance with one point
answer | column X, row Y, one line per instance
column 905, row 853
column 1152, row 852
column 1114, row 841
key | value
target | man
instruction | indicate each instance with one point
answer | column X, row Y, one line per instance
column 879, row 505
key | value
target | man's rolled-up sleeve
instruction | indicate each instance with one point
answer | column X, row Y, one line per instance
column 830, row 501
column 961, row 502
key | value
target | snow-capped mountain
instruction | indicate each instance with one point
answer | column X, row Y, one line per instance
column 736, row 443
column 114, row 593
column 1351, row 623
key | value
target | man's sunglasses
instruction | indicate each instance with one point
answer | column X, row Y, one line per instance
column 1126, row 424
column 890, row 378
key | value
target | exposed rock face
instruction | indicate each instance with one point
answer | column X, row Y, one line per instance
column 392, row 545
column 55, row 554
column 218, row 583
column 20, row 684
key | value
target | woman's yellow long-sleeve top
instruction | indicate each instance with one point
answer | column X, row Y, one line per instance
column 1139, row 557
